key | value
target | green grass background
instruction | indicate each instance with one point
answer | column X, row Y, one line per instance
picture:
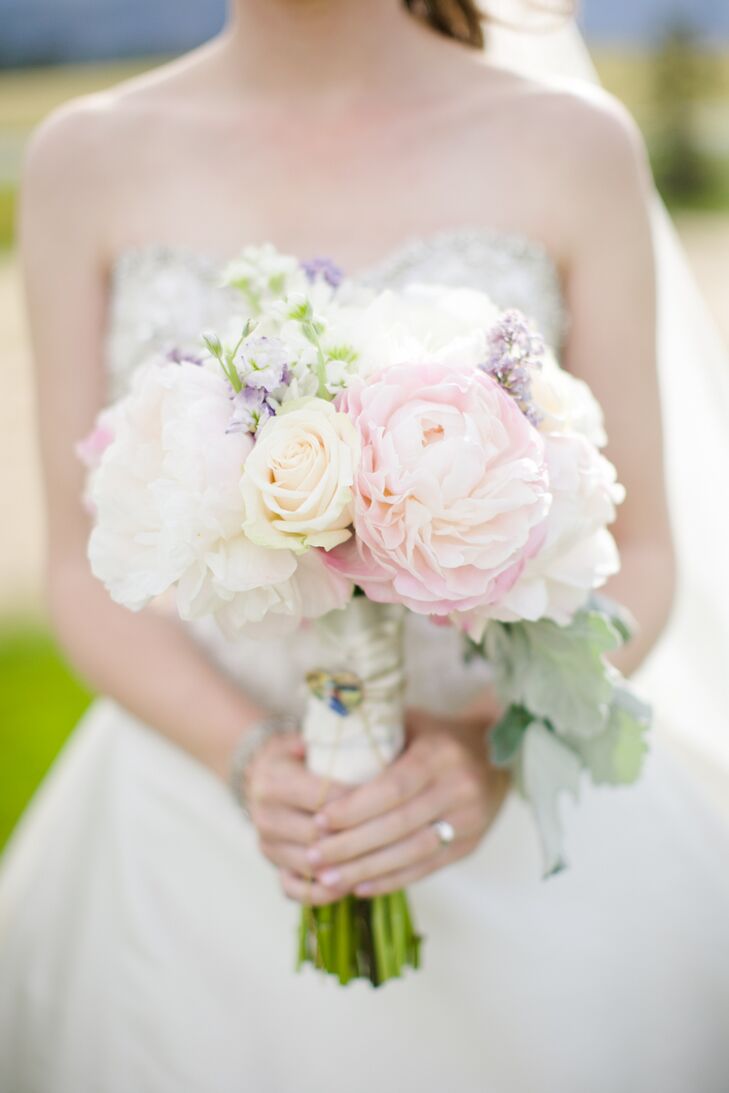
column 40, row 702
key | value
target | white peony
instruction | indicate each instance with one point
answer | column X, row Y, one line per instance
column 427, row 323
column 167, row 486
column 579, row 553
column 566, row 402
column 298, row 481
column 169, row 510
column 256, row 590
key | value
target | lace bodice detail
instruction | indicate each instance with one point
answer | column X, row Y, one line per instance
column 163, row 297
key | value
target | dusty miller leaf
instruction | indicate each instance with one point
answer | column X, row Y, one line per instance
column 615, row 757
column 547, row 769
column 507, row 735
column 559, row 673
column 621, row 618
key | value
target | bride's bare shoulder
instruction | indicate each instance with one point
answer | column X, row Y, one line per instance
column 577, row 139
column 95, row 132
column 579, row 120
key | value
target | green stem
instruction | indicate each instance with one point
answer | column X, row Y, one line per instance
column 381, row 929
column 343, row 937
column 364, row 945
column 302, row 955
column 399, row 929
column 414, row 938
column 379, row 938
column 324, row 936
column 360, row 938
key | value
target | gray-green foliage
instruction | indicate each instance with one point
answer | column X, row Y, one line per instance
column 568, row 710
column 558, row 673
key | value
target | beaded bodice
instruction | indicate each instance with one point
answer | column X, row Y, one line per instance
column 164, row 296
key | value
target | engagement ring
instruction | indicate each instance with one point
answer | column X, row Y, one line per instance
column 445, row 832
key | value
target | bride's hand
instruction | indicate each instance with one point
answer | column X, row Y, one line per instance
column 379, row 837
column 283, row 797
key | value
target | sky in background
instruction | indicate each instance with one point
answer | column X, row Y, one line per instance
column 39, row 31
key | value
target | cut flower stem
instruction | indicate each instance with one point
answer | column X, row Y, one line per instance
column 355, row 938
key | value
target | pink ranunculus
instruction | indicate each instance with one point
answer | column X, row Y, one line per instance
column 452, row 491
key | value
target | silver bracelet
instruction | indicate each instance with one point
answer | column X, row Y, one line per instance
column 249, row 743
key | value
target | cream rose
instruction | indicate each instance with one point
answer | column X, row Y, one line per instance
column 297, row 482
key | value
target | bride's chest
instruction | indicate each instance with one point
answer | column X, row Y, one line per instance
column 350, row 190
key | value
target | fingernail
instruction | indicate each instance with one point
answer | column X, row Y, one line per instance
column 321, row 820
column 330, row 877
column 363, row 889
column 313, row 854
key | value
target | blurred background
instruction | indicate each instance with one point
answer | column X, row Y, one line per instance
column 668, row 60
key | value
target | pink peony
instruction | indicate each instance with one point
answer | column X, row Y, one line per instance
column 451, row 495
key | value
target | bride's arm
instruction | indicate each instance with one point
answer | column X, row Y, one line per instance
column 611, row 289
column 146, row 662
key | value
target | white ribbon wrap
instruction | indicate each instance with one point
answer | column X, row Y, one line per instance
column 362, row 650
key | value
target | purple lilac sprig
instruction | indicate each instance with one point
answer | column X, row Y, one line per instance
column 515, row 348
column 324, row 268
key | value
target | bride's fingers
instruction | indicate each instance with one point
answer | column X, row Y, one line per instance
column 401, row 878
column 284, row 781
column 408, row 775
column 287, row 743
column 417, row 847
column 287, row 824
column 307, row 892
column 388, row 828
column 287, row 856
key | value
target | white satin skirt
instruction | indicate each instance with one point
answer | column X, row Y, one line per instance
column 145, row 947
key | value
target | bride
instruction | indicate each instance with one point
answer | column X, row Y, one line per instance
column 144, row 936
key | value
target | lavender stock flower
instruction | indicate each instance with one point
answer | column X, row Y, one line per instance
column 251, row 409
column 515, row 348
column 262, row 363
column 325, row 268
column 180, row 356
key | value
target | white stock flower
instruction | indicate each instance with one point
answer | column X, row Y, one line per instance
column 263, row 274
column 297, row 482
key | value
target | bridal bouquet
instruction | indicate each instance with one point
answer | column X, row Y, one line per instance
column 347, row 456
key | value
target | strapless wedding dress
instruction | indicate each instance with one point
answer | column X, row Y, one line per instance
column 145, row 946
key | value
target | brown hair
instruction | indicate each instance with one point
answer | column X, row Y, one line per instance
column 464, row 20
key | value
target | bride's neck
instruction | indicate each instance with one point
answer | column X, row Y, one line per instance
column 314, row 47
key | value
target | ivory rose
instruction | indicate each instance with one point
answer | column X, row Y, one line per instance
column 297, row 481
column 451, row 493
